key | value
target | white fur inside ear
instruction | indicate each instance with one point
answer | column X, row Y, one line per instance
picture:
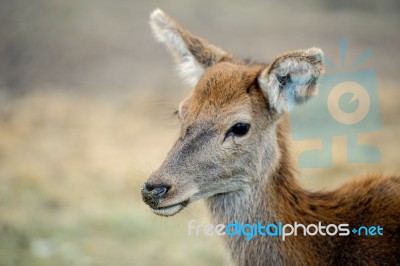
column 284, row 99
column 166, row 31
column 270, row 86
column 190, row 70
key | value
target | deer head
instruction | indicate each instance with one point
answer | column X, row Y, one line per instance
column 228, row 138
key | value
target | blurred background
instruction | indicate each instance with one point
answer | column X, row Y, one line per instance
column 86, row 103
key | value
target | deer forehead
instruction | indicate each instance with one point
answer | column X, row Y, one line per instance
column 223, row 91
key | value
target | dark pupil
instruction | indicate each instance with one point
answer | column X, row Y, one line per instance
column 239, row 129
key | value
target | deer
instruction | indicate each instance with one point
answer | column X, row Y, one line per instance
column 233, row 151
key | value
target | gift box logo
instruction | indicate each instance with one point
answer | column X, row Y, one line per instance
column 346, row 104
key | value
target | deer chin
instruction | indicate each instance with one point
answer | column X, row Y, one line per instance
column 171, row 209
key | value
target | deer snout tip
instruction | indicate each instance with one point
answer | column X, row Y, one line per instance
column 151, row 194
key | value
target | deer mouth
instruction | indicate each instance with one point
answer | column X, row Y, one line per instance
column 171, row 209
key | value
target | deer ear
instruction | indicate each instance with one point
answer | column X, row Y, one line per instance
column 291, row 79
column 192, row 54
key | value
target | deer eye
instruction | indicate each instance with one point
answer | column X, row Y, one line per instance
column 239, row 130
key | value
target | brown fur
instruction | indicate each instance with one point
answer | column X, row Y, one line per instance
column 373, row 200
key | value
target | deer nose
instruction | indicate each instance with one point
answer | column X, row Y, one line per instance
column 156, row 192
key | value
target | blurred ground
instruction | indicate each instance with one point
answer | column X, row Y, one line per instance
column 86, row 98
